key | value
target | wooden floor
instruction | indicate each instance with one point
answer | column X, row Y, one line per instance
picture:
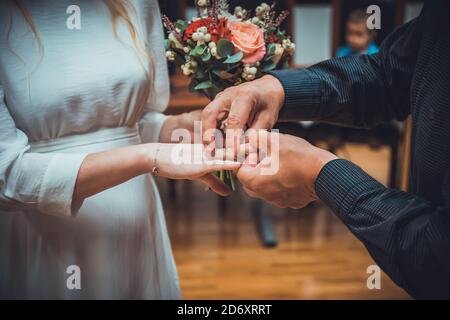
column 219, row 255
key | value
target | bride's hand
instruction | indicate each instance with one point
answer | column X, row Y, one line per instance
column 182, row 121
column 188, row 161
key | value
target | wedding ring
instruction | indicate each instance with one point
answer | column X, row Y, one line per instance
column 224, row 124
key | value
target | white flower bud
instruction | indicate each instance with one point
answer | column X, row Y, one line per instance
column 203, row 30
column 170, row 55
column 186, row 49
column 187, row 72
column 174, row 41
column 253, row 70
column 207, row 37
column 202, row 3
column 279, row 50
column 247, row 70
column 255, row 20
column 239, row 12
column 288, row 45
column 196, row 36
column 214, row 52
column 212, row 45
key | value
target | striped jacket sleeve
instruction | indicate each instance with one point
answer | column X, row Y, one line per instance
column 359, row 90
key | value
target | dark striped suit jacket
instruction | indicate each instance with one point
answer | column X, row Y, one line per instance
column 407, row 234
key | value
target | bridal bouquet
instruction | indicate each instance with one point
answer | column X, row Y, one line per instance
column 219, row 49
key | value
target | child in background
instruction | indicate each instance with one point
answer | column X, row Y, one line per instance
column 359, row 39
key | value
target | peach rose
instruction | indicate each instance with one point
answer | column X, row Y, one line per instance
column 249, row 39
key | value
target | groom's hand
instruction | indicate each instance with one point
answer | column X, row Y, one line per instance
column 293, row 184
column 253, row 104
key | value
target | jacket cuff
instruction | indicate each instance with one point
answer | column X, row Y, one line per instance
column 341, row 184
column 302, row 94
column 58, row 185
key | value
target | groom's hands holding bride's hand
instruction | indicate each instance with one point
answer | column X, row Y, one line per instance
column 196, row 170
column 256, row 105
column 253, row 104
column 292, row 183
column 187, row 161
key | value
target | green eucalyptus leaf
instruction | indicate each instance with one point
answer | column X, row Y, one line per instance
column 203, row 85
column 269, row 67
column 206, row 56
column 225, row 48
column 166, row 44
column 234, row 58
column 198, row 51
column 271, row 49
column 270, row 30
column 192, row 86
column 281, row 34
column 181, row 25
column 268, row 57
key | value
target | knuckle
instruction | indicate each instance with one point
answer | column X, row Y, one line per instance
column 242, row 177
column 268, row 120
column 207, row 111
column 249, row 192
column 245, row 89
column 254, row 185
column 227, row 91
column 234, row 119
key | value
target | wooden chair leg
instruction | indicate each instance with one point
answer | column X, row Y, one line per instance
column 264, row 224
column 223, row 205
column 172, row 189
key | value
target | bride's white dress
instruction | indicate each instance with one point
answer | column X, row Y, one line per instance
column 85, row 92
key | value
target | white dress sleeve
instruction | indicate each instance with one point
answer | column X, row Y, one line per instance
column 152, row 117
column 42, row 181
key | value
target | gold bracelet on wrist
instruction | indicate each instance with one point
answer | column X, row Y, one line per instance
column 155, row 170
